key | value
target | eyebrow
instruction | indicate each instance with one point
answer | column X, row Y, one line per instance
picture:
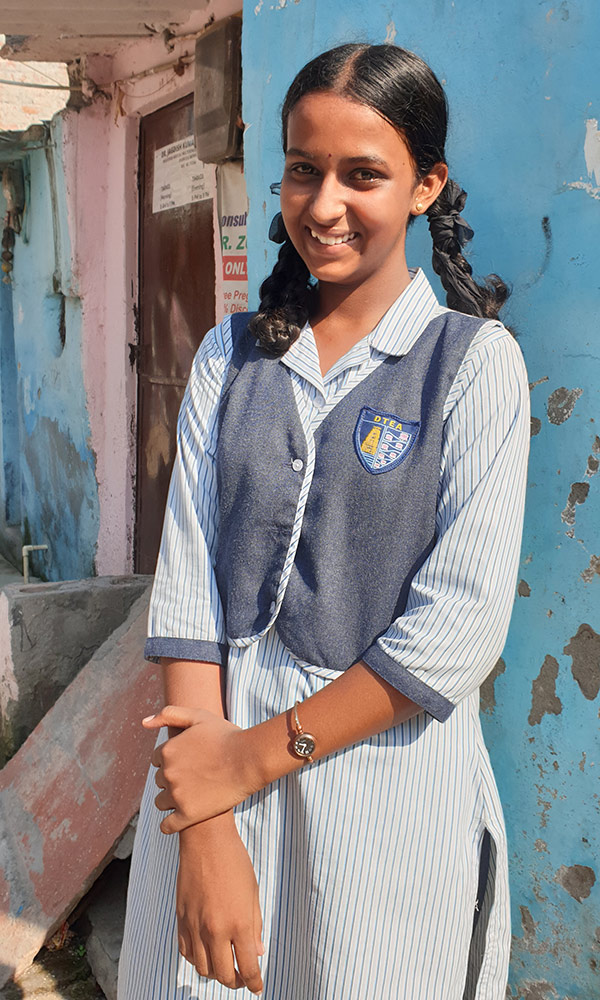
column 365, row 158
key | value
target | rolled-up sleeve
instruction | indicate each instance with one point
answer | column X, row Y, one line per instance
column 456, row 618
column 186, row 618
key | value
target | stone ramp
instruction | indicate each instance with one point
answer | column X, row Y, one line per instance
column 72, row 788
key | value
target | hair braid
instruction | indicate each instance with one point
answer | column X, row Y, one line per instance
column 450, row 232
column 284, row 302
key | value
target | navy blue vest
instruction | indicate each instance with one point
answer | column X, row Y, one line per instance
column 369, row 521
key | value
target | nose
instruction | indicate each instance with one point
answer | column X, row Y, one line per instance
column 328, row 204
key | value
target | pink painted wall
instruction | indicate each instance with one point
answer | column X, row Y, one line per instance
column 100, row 146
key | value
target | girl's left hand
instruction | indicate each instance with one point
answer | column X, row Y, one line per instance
column 202, row 771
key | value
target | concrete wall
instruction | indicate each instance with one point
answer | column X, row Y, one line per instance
column 48, row 632
column 524, row 143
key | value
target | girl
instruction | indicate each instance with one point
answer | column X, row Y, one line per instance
column 335, row 582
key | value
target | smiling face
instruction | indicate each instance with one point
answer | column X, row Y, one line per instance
column 348, row 189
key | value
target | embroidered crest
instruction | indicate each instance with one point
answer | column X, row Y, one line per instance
column 382, row 440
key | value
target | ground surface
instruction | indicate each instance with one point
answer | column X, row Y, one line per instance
column 59, row 974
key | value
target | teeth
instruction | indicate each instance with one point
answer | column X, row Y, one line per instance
column 332, row 241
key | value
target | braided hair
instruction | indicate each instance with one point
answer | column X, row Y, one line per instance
column 400, row 87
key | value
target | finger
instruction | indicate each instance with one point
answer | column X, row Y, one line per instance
column 164, row 801
column 201, row 962
column 171, row 715
column 174, row 822
column 247, row 961
column 156, row 758
column 223, row 968
column 185, row 946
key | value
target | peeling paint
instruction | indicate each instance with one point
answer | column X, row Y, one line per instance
column 561, row 404
column 541, row 846
column 535, row 426
column 594, row 192
column 538, row 381
column 538, row 990
column 578, row 495
column 390, row 33
column 487, row 696
column 543, row 692
column 592, row 466
column 577, row 880
column 591, row 149
column 594, row 568
column 524, row 590
column 584, row 648
column 528, row 924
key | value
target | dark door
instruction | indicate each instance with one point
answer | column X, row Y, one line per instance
column 177, row 303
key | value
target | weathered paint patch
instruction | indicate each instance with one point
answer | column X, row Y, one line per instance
column 592, row 466
column 577, row 880
column 541, row 846
column 524, row 590
column 584, row 648
column 594, row 568
column 61, row 494
column 561, row 404
column 539, row 990
column 577, row 495
column 390, row 33
column 535, row 426
column 529, row 926
column 543, row 692
column 487, row 696
column 591, row 149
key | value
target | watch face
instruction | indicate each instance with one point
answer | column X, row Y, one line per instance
column 304, row 745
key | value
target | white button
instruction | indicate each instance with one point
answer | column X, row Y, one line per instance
column 272, row 607
column 297, row 465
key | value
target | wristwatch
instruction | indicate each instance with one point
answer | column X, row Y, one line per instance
column 302, row 744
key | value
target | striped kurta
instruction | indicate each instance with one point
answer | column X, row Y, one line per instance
column 368, row 862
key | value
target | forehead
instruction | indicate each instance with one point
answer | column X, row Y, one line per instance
column 329, row 124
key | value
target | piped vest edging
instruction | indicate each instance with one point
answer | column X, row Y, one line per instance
column 369, row 520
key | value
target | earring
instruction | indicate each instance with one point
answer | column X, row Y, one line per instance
column 419, row 206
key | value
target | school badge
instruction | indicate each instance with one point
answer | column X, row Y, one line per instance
column 382, row 440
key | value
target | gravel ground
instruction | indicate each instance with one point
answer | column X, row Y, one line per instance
column 57, row 974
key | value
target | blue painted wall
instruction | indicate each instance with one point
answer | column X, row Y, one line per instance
column 522, row 81
column 10, row 512
column 57, row 487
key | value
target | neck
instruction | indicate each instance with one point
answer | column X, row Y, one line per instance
column 362, row 305
column 343, row 315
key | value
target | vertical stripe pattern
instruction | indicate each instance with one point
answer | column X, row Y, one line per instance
column 368, row 861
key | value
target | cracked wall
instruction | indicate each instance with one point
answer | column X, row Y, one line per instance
column 540, row 232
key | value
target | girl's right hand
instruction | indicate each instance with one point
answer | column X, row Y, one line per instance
column 218, row 914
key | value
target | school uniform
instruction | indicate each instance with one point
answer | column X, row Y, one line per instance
column 382, row 869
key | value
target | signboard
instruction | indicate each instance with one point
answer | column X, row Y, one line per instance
column 233, row 216
column 179, row 176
